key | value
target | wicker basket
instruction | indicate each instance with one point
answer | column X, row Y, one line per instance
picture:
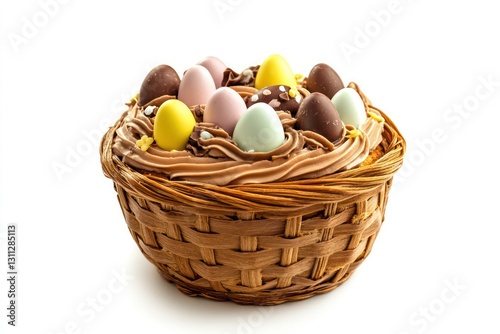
column 262, row 244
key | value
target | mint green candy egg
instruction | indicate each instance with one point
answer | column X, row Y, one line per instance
column 350, row 107
column 259, row 129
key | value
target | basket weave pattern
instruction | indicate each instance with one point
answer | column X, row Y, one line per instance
column 259, row 244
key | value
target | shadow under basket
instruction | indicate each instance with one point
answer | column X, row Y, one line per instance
column 262, row 244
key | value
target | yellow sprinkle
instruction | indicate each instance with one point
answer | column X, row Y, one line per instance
column 144, row 143
column 299, row 78
column 353, row 133
column 292, row 93
column 376, row 117
column 135, row 98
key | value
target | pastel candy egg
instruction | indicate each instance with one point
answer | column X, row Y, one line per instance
column 324, row 79
column 350, row 107
column 259, row 129
column 273, row 71
column 279, row 97
column 216, row 68
column 161, row 80
column 173, row 125
column 224, row 109
column 318, row 114
column 196, row 87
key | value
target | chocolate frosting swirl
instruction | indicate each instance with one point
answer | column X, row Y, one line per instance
column 217, row 160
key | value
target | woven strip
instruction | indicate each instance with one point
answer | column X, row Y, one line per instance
column 259, row 244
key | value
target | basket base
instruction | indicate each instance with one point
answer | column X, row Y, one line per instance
column 268, row 297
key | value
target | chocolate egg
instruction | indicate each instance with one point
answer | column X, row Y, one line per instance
column 224, row 109
column 279, row 97
column 350, row 107
column 173, row 125
column 317, row 113
column 259, row 129
column 216, row 68
column 273, row 71
column 161, row 80
column 196, row 87
column 323, row 79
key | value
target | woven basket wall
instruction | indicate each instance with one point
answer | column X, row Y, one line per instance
column 261, row 244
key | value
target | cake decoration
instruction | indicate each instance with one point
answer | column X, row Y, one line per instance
column 259, row 129
column 150, row 111
column 273, row 71
column 144, row 143
column 293, row 94
column 161, row 80
column 238, row 133
column 375, row 116
column 216, row 68
column 352, row 132
column 206, row 135
column 224, row 109
column 299, row 79
column 245, row 78
column 197, row 86
column 134, row 99
column 173, row 125
column 279, row 97
column 318, row 114
column 324, row 79
column 350, row 107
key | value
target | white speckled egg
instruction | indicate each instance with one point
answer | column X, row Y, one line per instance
column 259, row 129
column 196, row 87
column 350, row 107
column 224, row 109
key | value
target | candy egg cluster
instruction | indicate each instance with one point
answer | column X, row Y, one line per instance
column 319, row 103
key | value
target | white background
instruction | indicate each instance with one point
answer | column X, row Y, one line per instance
column 67, row 79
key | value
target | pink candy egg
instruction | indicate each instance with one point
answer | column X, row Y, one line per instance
column 216, row 68
column 196, row 87
column 224, row 109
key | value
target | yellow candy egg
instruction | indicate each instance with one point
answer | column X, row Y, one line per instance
column 173, row 125
column 273, row 71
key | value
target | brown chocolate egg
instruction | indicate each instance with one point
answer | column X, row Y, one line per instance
column 323, row 79
column 278, row 97
column 318, row 114
column 161, row 80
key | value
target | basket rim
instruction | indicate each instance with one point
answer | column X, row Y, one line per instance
column 259, row 196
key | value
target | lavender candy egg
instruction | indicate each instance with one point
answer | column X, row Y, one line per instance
column 279, row 97
column 224, row 109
